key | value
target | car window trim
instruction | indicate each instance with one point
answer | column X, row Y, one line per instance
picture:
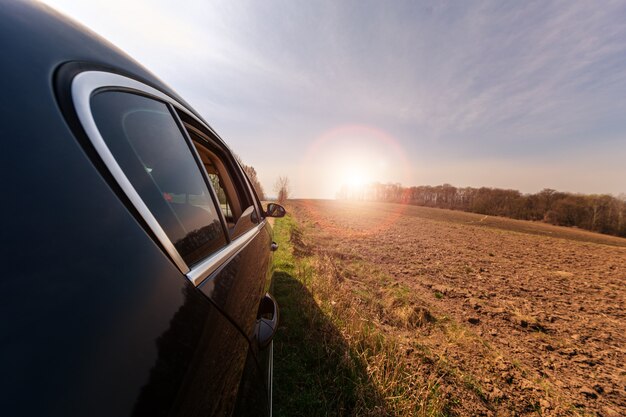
column 83, row 86
column 203, row 269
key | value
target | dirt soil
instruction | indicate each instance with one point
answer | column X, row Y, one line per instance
column 531, row 317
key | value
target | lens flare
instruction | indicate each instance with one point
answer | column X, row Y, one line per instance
column 354, row 157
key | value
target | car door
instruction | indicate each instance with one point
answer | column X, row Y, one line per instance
column 218, row 249
column 240, row 285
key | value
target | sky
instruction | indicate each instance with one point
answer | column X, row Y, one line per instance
column 522, row 95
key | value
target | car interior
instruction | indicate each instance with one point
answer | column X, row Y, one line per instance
column 238, row 214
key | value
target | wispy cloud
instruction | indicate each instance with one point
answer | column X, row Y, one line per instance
column 461, row 82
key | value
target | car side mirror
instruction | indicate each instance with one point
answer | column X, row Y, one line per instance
column 275, row 210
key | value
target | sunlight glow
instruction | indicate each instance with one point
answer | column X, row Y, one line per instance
column 355, row 178
column 349, row 158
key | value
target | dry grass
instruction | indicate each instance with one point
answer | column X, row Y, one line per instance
column 376, row 375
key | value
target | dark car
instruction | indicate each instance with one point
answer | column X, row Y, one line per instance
column 136, row 257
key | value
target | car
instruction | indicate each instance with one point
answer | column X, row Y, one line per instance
column 136, row 256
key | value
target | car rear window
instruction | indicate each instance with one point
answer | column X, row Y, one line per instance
column 148, row 145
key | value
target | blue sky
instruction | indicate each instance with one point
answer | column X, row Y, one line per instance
column 524, row 95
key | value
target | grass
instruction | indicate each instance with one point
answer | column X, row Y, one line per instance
column 316, row 372
column 331, row 358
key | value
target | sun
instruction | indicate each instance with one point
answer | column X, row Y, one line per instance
column 354, row 177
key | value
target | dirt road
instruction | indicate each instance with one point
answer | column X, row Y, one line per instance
column 530, row 317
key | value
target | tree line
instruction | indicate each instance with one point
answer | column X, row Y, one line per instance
column 252, row 176
column 599, row 213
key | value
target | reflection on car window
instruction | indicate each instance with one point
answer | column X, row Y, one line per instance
column 148, row 145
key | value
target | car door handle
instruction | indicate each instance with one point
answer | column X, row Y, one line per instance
column 267, row 321
column 274, row 246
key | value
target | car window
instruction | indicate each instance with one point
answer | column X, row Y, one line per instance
column 235, row 202
column 147, row 143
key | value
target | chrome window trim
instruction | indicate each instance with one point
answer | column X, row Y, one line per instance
column 206, row 267
column 83, row 87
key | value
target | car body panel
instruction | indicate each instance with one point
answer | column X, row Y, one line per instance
column 96, row 318
column 240, row 284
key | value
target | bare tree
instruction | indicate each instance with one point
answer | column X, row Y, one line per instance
column 281, row 187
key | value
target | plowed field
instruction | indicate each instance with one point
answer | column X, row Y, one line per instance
column 531, row 318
